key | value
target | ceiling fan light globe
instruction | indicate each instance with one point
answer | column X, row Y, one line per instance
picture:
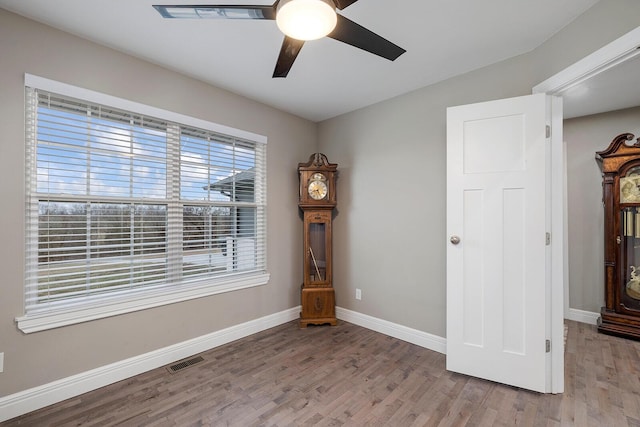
column 306, row 19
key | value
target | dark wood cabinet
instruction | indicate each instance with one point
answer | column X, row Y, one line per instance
column 620, row 164
column 317, row 202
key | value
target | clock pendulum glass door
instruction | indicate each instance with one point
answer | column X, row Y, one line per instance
column 317, row 252
column 317, row 268
column 630, row 241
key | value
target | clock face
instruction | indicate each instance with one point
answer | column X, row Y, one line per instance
column 317, row 189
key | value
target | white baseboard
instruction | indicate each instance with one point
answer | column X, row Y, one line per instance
column 414, row 336
column 38, row 397
column 583, row 316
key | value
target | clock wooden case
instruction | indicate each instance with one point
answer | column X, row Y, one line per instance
column 317, row 202
column 620, row 164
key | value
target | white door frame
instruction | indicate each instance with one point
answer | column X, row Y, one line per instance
column 609, row 56
column 559, row 259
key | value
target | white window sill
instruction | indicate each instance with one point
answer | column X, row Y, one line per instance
column 36, row 322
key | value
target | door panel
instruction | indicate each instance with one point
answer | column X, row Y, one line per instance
column 473, row 291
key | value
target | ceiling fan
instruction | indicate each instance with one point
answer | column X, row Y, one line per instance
column 299, row 20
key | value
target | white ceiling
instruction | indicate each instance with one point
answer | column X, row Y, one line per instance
column 443, row 38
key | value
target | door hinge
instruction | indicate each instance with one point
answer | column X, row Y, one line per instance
column 548, row 346
column 547, row 238
column 548, row 131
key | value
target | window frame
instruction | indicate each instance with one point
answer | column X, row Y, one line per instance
column 92, row 308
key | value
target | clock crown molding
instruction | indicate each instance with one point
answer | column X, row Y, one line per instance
column 616, row 144
column 618, row 152
column 318, row 161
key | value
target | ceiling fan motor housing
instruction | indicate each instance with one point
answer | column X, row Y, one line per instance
column 306, row 19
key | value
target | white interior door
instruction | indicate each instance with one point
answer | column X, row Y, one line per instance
column 498, row 274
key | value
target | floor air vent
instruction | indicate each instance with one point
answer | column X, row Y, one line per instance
column 184, row 364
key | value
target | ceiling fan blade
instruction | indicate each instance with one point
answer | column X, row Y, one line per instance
column 341, row 4
column 356, row 35
column 288, row 54
column 213, row 11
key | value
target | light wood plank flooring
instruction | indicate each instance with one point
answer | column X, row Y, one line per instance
column 348, row 375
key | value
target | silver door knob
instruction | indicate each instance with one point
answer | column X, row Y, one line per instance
column 454, row 239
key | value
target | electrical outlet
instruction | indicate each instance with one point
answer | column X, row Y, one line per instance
column 1, row 362
column 358, row 294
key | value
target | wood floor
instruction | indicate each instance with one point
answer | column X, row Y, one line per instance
column 348, row 375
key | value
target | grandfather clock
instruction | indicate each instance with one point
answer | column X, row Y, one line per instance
column 317, row 202
column 620, row 164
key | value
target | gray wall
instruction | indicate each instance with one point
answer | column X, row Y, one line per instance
column 391, row 159
column 39, row 358
column 584, row 136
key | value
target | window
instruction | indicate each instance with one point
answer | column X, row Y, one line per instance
column 128, row 210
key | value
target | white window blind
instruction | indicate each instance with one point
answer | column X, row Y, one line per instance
column 121, row 205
